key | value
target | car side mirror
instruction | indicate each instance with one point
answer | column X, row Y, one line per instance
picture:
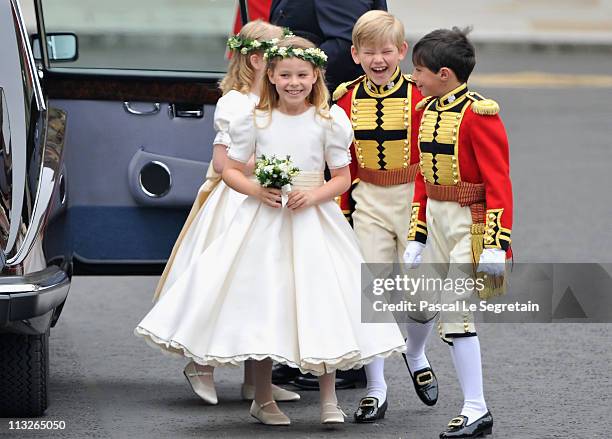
column 60, row 46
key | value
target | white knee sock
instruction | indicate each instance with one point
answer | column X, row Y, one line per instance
column 466, row 355
column 416, row 339
column 375, row 373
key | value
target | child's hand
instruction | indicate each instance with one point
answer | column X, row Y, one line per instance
column 299, row 199
column 270, row 197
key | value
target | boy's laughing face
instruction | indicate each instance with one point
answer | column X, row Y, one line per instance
column 379, row 60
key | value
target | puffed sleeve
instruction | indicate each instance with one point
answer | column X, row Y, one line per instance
column 243, row 133
column 338, row 139
column 228, row 107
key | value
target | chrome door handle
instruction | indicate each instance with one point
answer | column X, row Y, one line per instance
column 156, row 108
column 178, row 110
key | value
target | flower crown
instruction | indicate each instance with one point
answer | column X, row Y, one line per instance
column 313, row 55
column 246, row 45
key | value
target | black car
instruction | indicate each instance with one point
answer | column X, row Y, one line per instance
column 107, row 133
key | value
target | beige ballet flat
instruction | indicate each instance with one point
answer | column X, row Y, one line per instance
column 278, row 393
column 268, row 418
column 205, row 389
column 331, row 414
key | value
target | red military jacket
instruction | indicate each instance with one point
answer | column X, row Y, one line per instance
column 462, row 139
column 385, row 127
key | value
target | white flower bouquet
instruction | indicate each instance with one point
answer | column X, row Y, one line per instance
column 276, row 173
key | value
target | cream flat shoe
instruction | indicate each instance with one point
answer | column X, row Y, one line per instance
column 205, row 389
column 268, row 418
column 278, row 393
column 331, row 414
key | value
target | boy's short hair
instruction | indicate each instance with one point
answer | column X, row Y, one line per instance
column 446, row 48
column 378, row 27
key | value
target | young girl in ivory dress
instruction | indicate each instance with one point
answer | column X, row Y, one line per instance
column 216, row 203
column 280, row 283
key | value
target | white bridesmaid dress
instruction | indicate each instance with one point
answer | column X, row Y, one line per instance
column 215, row 204
column 277, row 283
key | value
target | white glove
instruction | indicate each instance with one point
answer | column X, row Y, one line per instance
column 492, row 261
column 413, row 254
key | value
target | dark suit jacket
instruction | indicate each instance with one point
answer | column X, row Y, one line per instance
column 329, row 24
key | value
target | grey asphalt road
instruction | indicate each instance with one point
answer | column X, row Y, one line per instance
column 541, row 380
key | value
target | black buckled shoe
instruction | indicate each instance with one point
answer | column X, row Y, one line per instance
column 425, row 384
column 480, row 427
column 369, row 411
column 282, row 374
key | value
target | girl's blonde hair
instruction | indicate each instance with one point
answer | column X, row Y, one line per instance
column 318, row 97
column 240, row 73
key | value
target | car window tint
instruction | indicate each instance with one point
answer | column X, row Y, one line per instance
column 167, row 35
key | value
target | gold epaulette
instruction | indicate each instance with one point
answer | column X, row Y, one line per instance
column 423, row 103
column 343, row 88
column 408, row 77
column 482, row 105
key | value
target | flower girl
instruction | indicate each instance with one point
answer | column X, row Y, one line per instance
column 282, row 282
column 216, row 203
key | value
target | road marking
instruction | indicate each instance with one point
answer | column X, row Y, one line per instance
column 541, row 80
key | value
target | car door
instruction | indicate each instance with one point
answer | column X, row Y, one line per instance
column 23, row 121
column 139, row 92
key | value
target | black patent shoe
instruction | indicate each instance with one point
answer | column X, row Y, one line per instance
column 345, row 379
column 282, row 374
column 369, row 411
column 425, row 384
column 479, row 428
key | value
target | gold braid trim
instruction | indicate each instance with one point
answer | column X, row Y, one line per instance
column 493, row 286
column 486, row 107
column 423, row 103
column 343, row 88
column 482, row 105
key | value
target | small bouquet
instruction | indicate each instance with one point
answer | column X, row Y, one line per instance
column 276, row 173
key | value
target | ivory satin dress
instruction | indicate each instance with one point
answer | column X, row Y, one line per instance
column 277, row 283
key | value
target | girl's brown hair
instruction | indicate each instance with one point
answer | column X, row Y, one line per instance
column 319, row 96
column 240, row 73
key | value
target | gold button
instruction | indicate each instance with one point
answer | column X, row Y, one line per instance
column 420, row 137
column 455, row 181
column 454, row 166
column 406, row 124
column 355, row 103
column 360, row 157
column 406, row 142
column 458, row 116
column 492, row 216
column 405, row 165
column 406, row 101
column 362, row 165
column 405, row 149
